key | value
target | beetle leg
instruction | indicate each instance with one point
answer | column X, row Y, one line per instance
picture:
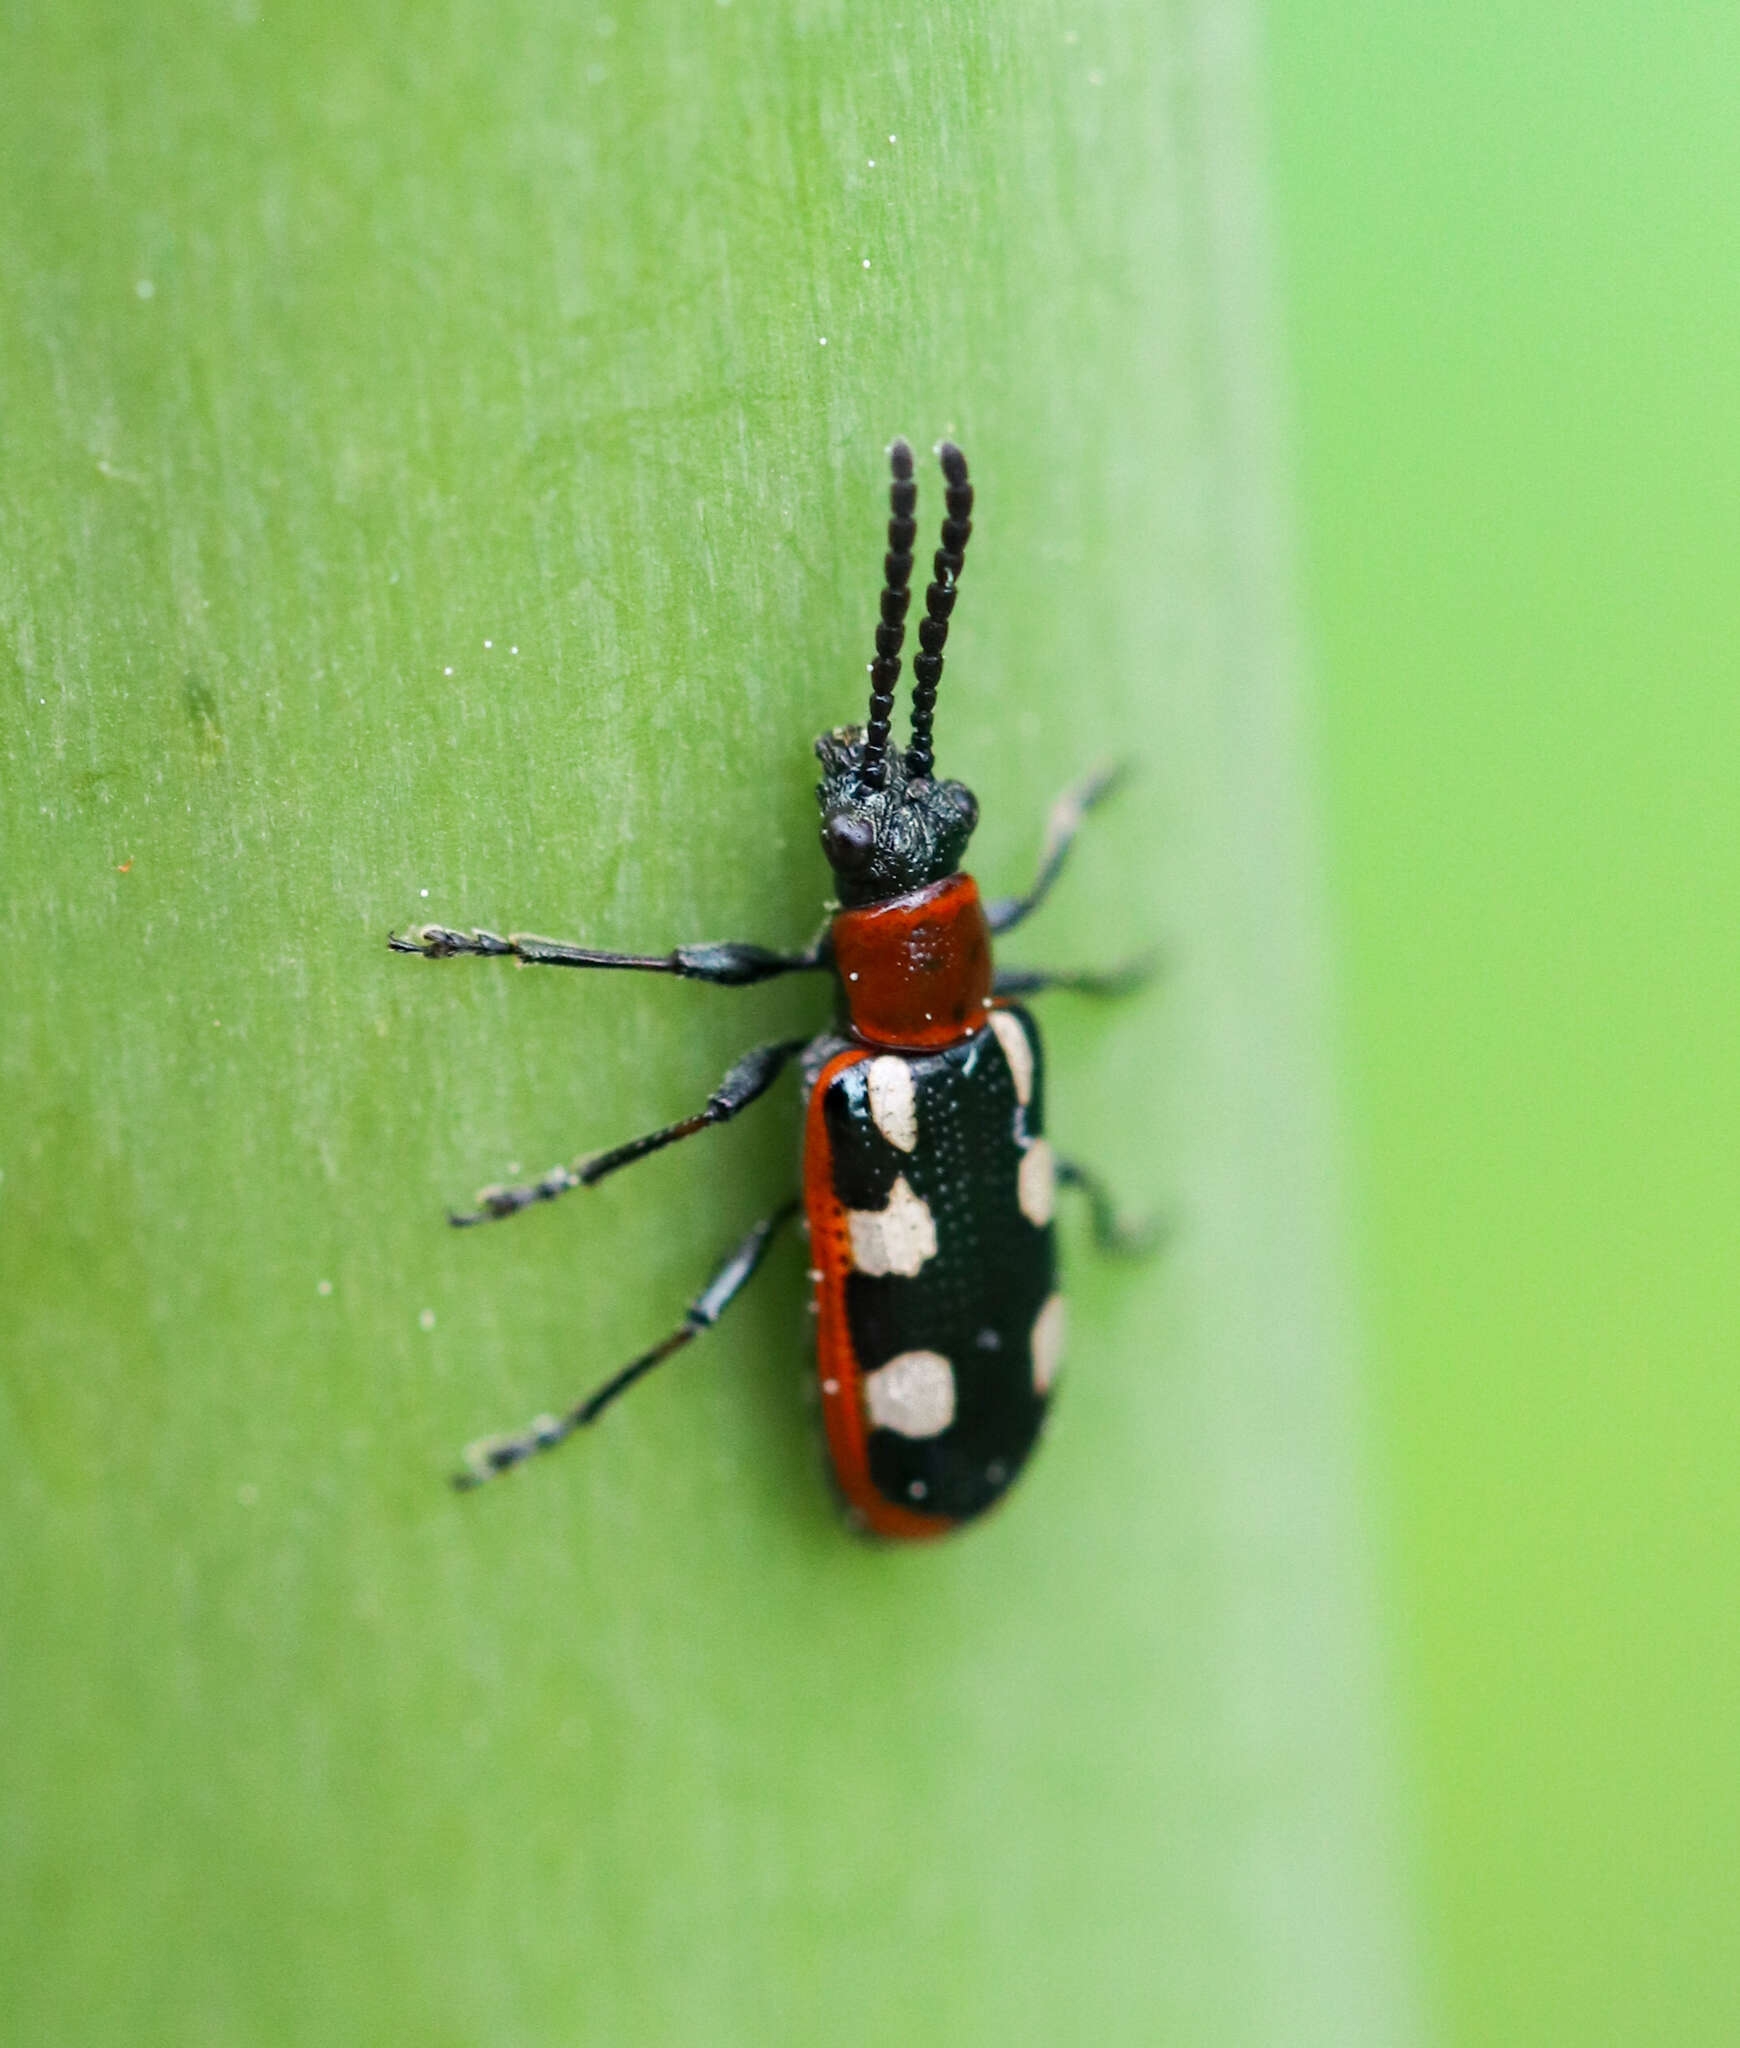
column 1062, row 826
column 493, row 1454
column 748, row 1077
column 1122, row 980
column 727, row 964
column 1119, row 1236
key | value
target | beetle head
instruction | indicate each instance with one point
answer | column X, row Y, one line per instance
column 883, row 840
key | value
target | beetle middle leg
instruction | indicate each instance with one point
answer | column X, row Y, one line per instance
column 491, row 1455
column 749, row 1077
column 1122, row 980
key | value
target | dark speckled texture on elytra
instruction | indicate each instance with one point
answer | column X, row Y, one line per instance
column 976, row 1299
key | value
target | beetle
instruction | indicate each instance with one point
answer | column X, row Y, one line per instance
column 928, row 1183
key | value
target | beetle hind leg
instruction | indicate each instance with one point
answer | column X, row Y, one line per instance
column 1119, row 1237
column 492, row 1455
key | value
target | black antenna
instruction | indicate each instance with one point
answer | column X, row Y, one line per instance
column 891, row 629
column 939, row 602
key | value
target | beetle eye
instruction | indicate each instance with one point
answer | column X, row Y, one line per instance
column 848, row 842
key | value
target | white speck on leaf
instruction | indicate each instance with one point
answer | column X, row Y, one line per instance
column 426, row 1321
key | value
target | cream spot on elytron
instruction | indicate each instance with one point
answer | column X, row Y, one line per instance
column 897, row 1239
column 1018, row 1051
column 913, row 1395
column 1047, row 1344
column 1036, row 1186
column 894, row 1103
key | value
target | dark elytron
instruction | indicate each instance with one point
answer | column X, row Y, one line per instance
column 976, row 1300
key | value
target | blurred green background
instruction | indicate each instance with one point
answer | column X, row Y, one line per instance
column 1510, row 239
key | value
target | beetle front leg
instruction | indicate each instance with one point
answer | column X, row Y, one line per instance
column 726, row 963
column 748, row 1078
column 1060, row 830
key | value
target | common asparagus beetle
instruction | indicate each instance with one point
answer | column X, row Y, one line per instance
column 928, row 1183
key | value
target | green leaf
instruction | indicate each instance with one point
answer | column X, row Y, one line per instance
column 442, row 479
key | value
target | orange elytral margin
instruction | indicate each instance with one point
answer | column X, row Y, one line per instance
column 917, row 969
column 836, row 1361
